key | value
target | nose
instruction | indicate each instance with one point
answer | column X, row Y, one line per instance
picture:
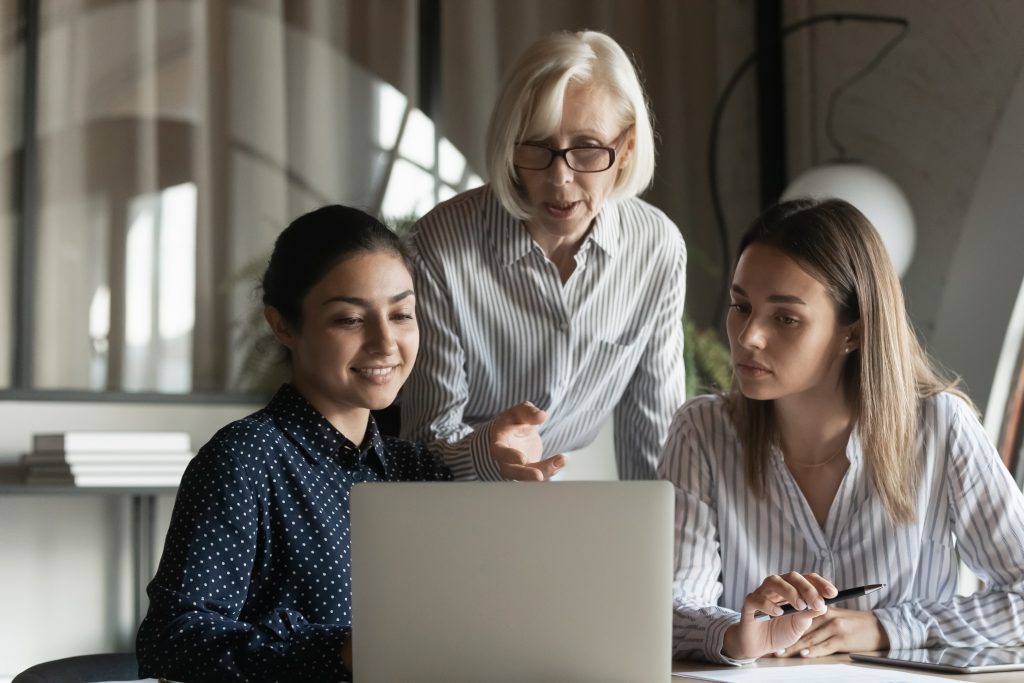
column 381, row 338
column 559, row 172
column 751, row 335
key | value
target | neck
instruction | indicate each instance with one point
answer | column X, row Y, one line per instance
column 349, row 420
column 813, row 429
column 559, row 249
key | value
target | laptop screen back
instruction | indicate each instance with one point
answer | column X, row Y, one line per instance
column 477, row 581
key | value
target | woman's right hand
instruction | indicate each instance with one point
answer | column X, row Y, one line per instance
column 750, row 638
column 516, row 446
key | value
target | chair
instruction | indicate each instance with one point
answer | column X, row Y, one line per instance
column 116, row 666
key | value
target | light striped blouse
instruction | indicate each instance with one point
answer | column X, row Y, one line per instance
column 497, row 327
column 728, row 541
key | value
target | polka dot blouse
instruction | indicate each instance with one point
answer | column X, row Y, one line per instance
column 255, row 578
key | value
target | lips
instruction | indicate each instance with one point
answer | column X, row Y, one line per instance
column 561, row 209
column 376, row 374
column 752, row 369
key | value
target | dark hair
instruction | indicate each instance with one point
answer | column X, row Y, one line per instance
column 312, row 245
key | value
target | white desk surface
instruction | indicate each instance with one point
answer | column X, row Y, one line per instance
column 1005, row 677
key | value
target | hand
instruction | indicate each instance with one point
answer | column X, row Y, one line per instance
column 750, row 639
column 840, row 630
column 516, row 446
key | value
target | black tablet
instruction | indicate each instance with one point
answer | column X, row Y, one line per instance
column 959, row 660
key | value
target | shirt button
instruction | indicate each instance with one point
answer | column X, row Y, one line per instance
column 564, row 327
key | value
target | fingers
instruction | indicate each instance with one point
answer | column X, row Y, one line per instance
column 823, row 639
column 524, row 413
column 824, row 587
column 533, row 471
column 791, row 588
column 513, row 472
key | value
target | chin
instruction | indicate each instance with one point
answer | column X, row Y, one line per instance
column 757, row 393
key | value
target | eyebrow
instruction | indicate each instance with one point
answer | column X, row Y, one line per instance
column 363, row 303
column 774, row 298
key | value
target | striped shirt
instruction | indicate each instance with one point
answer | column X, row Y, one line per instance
column 498, row 326
column 728, row 541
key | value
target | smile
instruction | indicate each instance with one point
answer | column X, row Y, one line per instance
column 377, row 374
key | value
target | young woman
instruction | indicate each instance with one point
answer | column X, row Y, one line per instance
column 254, row 583
column 840, row 459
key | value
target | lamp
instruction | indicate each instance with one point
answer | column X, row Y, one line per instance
column 873, row 193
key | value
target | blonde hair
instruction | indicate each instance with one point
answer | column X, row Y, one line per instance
column 530, row 106
column 885, row 377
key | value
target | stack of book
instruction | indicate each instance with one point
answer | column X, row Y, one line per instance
column 108, row 459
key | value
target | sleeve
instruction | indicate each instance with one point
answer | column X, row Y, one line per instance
column 658, row 385
column 698, row 622
column 435, row 394
column 987, row 510
column 193, row 630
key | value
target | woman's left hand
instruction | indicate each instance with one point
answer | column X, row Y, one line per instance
column 840, row 630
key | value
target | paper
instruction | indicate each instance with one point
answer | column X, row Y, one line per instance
column 811, row 673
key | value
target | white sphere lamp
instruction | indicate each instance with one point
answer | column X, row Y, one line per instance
column 873, row 193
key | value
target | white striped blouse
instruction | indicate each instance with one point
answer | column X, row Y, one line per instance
column 497, row 326
column 728, row 541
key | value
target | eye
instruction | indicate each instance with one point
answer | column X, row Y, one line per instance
column 402, row 317
column 740, row 307
column 788, row 321
column 347, row 322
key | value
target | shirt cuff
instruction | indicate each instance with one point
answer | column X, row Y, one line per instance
column 714, row 641
column 903, row 630
column 479, row 449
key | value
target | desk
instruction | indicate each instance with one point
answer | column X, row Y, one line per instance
column 143, row 533
column 1005, row 677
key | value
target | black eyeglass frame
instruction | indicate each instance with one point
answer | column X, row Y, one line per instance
column 563, row 153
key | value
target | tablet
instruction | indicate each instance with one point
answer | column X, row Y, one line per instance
column 959, row 660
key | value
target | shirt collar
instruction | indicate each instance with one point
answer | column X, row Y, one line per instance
column 607, row 232
column 318, row 437
column 513, row 241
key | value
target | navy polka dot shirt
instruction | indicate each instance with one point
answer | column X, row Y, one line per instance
column 255, row 578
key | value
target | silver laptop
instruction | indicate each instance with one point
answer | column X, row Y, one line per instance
column 472, row 581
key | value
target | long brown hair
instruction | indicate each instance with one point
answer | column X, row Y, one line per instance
column 884, row 378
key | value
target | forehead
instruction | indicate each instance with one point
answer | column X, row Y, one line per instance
column 364, row 275
column 764, row 271
column 585, row 108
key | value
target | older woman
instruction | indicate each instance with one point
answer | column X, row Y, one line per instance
column 554, row 289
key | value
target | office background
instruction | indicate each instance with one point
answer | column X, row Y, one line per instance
column 170, row 140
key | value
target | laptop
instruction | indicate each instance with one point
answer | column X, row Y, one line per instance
column 482, row 581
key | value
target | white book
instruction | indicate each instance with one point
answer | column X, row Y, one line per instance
column 112, row 442
column 112, row 470
column 155, row 459
column 106, row 480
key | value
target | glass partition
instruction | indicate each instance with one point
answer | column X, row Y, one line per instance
column 175, row 139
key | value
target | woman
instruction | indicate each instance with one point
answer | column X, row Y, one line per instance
column 554, row 287
column 254, row 582
column 840, row 459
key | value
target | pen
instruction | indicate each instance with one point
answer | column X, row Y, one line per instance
column 840, row 596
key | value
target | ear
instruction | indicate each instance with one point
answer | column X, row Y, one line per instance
column 852, row 339
column 279, row 326
column 625, row 154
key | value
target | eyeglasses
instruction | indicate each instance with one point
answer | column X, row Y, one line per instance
column 533, row 156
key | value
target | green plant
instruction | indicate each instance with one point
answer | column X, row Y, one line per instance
column 707, row 360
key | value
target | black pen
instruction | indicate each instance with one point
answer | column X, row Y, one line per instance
column 840, row 596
